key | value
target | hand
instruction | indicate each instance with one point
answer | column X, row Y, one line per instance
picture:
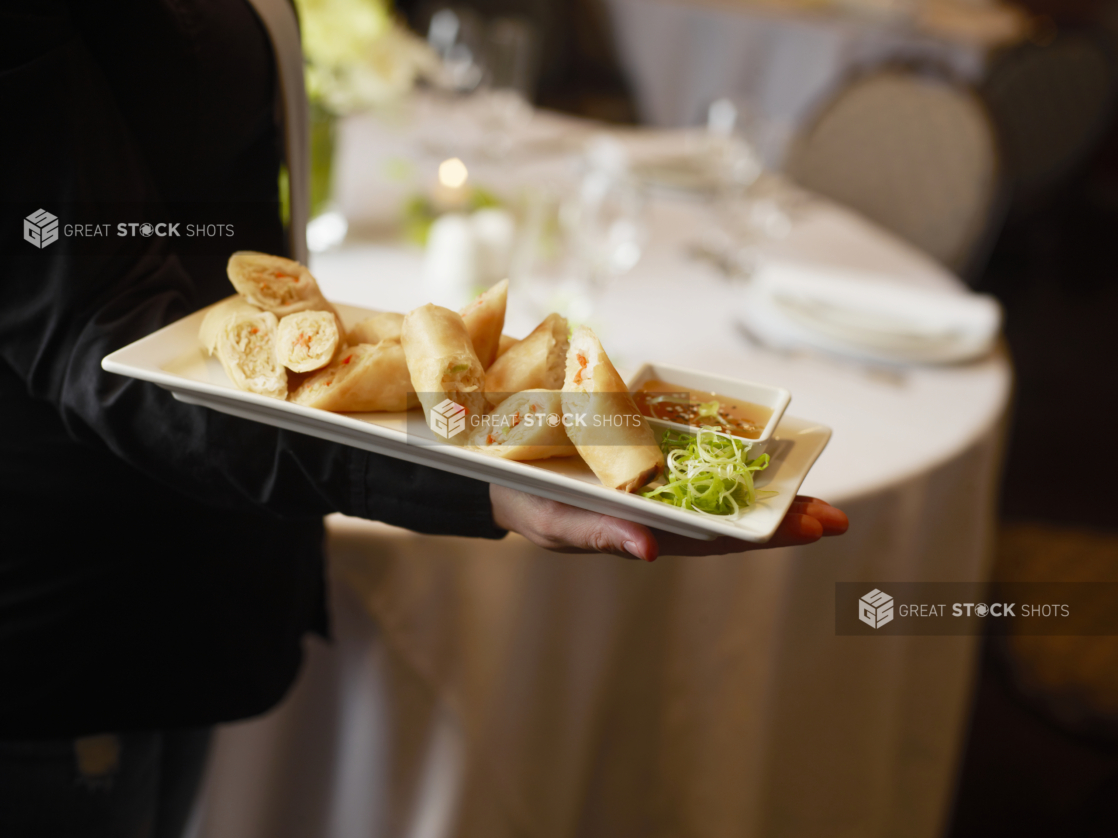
column 567, row 529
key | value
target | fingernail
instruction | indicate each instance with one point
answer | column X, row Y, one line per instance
column 631, row 549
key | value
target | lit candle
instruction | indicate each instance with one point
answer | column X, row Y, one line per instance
column 451, row 192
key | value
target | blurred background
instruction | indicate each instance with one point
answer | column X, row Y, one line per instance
column 981, row 134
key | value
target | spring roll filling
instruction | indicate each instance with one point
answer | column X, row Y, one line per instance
column 250, row 351
column 275, row 293
column 585, row 370
column 500, row 435
column 307, row 340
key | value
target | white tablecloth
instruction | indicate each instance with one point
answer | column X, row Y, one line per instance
column 492, row 689
column 681, row 55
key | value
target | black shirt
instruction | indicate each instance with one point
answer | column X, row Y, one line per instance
column 161, row 561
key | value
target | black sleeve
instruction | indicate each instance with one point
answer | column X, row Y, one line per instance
column 65, row 306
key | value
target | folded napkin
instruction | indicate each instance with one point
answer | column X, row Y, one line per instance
column 867, row 316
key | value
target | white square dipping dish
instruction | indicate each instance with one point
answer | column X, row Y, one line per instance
column 172, row 358
column 772, row 398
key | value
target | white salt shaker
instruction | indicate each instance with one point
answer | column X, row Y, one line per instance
column 494, row 235
column 450, row 264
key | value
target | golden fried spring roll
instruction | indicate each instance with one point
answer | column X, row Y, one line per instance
column 485, row 318
column 613, row 438
column 442, row 363
column 506, row 343
column 384, row 325
column 281, row 286
column 525, row 426
column 307, row 340
column 363, row 378
column 534, row 363
column 244, row 339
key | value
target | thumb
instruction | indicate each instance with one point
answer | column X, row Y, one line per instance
column 622, row 538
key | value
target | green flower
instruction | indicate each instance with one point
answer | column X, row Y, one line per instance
column 357, row 55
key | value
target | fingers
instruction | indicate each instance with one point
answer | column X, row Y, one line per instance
column 567, row 529
column 808, row 520
column 795, row 530
column 805, row 523
column 806, row 499
column 831, row 520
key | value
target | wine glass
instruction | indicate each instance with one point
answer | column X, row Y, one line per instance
column 605, row 220
column 454, row 34
column 749, row 209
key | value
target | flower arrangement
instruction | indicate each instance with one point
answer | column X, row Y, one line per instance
column 358, row 55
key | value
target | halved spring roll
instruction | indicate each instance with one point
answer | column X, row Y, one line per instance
column 612, row 436
column 362, row 379
column 211, row 323
column 307, row 340
column 443, row 365
column 244, row 339
column 525, row 426
column 537, row 362
column 485, row 318
column 273, row 283
column 384, row 325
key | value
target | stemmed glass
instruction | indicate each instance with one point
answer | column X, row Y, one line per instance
column 506, row 94
column 454, row 35
column 605, row 221
column 747, row 211
column 486, row 74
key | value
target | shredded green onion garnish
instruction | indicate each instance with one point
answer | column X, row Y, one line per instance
column 708, row 472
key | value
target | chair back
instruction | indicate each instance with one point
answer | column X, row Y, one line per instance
column 1052, row 105
column 916, row 154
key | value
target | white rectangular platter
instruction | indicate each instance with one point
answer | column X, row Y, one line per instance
column 173, row 359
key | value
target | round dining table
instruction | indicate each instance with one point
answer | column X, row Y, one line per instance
column 492, row 689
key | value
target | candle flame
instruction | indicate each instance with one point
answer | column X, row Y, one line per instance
column 453, row 173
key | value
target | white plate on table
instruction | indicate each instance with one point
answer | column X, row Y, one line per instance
column 172, row 358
